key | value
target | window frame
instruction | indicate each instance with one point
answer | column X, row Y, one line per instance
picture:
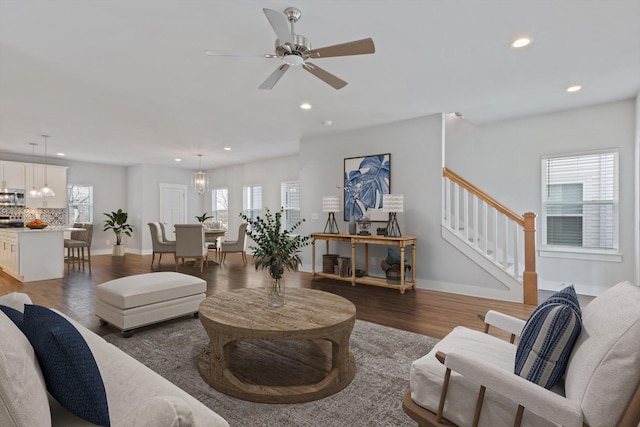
column 247, row 201
column 577, row 252
column 288, row 222
column 214, row 205
column 70, row 205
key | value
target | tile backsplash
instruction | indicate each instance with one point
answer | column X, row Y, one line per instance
column 51, row 216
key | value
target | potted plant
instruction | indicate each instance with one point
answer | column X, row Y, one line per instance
column 202, row 218
column 117, row 221
column 276, row 250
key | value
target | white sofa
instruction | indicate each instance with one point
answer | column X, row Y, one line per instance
column 136, row 395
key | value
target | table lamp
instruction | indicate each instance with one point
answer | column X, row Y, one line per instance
column 393, row 203
column 331, row 204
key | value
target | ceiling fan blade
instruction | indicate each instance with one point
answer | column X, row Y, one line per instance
column 280, row 25
column 325, row 76
column 240, row 54
column 358, row 47
column 274, row 77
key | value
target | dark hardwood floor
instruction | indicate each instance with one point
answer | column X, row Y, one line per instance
column 423, row 311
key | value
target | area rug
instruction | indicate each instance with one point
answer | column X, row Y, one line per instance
column 383, row 359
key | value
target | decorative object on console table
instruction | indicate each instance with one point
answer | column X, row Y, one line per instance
column 276, row 250
column 117, row 221
column 366, row 180
column 393, row 203
column 364, row 224
column 353, row 225
column 331, row 204
column 381, row 231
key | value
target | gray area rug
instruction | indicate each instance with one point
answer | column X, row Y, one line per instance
column 383, row 359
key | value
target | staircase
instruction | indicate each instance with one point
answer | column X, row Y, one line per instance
column 497, row 239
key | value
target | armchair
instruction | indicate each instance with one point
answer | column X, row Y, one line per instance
column 468, row 378
column 160, row 246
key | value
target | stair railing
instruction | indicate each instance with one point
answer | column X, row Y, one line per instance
column 493, row 230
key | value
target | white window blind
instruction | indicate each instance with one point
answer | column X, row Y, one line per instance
column 580, row 200
column 220, row 206
column 290, row 191
column 252, row 201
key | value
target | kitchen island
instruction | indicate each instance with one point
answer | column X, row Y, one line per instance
column 30, row 255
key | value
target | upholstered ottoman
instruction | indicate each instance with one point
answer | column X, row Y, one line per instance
column 134, row 301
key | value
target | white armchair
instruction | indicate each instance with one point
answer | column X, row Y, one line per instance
column 468, row 378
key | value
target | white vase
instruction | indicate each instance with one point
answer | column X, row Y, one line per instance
column 118, row 250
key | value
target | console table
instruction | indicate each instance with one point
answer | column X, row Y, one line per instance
column 401, row 242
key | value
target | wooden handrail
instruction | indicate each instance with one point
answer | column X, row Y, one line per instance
column 482, row 195
column 527, row 221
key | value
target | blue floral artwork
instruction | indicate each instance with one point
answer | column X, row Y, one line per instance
column 366, row 179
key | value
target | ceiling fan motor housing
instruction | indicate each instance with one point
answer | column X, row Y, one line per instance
column 301, row 46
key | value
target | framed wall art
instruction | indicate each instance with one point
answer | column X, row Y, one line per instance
column 366, row 180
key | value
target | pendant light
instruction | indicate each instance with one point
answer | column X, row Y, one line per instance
column 46, row 191
column 200, row 179
column 33, row 192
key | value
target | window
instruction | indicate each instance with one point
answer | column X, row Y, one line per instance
column 252, row 201
column 580, row 201
column 220, row 206
column 80, row 203
column 290, row 203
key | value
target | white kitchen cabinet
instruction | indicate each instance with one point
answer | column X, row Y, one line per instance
column 9, row 259
column 14, row 174
column 56, row 180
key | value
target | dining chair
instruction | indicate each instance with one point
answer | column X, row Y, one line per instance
column 237, row 245
column 190, row 244
column 75, row 245
column 163, row 227
column 159, row 245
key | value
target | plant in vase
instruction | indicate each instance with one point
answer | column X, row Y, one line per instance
column 202, row 218
column 276, row 250
column 117, row 221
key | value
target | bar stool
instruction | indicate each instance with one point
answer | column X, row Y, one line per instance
column 79, row 240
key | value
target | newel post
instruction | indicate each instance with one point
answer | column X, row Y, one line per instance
column 529, row 276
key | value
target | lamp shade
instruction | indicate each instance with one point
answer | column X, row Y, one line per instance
column 330, row 204
column 393, row 203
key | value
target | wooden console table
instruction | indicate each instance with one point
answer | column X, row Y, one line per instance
column 401, row 242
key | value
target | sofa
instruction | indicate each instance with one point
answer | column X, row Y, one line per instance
column 136, row 395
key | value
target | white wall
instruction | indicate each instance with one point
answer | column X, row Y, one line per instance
column 415, row 147
column 503, row 159
column 268, row 173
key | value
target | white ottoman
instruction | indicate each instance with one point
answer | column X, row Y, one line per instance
column 134, row 301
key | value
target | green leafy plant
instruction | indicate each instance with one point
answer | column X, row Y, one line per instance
column 276, row 248
column 117, row 221
column 202, row 218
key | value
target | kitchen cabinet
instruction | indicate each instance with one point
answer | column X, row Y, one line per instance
column 57, row 181
column 9, row 253
column 14, row 174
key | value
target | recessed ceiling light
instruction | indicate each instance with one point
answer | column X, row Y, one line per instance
column 521, row 42
column 305, row 106
column 574, row 88
column 327, row 122
column 60, row 154
column 227, row 148
column 177, row 160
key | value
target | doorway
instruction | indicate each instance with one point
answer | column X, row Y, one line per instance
column 173, row 206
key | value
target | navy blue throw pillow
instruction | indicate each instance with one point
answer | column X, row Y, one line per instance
column 13, row 314
column 548, row 338
column 69, row 368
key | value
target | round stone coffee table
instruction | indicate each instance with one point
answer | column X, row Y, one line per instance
column 308, row 314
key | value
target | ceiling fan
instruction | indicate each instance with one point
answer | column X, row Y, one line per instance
column 294, row 49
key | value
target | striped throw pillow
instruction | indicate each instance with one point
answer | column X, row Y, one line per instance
column 548, row 338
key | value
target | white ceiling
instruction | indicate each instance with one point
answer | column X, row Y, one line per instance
column 127, row 81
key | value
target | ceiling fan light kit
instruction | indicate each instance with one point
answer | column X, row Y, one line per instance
column 295, row 50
